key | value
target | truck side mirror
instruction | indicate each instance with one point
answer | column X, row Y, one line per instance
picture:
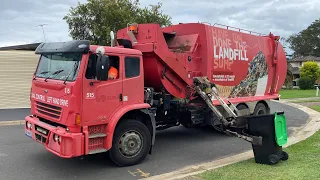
column 102, row 67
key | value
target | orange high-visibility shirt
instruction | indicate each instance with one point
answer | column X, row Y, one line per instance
column 112, row 73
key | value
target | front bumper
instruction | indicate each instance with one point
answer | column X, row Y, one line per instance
column 69, row 144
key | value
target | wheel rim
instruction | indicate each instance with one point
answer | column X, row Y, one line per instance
column 130, row 143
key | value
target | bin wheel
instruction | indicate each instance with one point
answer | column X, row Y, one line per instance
column 285, row 156
column 274, row 159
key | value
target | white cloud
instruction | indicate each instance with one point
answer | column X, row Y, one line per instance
column 282, row 17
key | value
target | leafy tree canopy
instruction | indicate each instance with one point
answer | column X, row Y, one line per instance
column 95, row 19
column 310, row 69
column 306, row 42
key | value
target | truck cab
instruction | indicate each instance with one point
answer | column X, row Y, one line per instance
column 75, row 106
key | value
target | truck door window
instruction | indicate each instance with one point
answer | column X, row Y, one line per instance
column 132, row 66
column 91, row 68
column 114, row 67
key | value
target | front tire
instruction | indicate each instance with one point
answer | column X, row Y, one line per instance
column 131, row 143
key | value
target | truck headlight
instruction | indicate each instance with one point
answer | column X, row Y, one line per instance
column 56, row 138
column 29, row 125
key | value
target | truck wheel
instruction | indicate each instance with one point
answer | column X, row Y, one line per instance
column 260, row 109
column 131, row 143
column 242, row 107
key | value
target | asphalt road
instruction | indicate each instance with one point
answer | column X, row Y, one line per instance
column 21, row 158
column 14, row 114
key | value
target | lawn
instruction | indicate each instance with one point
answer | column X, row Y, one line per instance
column 303, row 163
column 297, row 93
column 316, row 108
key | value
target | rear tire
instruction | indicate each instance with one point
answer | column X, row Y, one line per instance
column 131, row 143
column 242, row 107
column 260, row 109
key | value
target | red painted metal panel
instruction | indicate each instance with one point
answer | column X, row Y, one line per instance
column 71, row 143
column 225, row 56
column 116, row 117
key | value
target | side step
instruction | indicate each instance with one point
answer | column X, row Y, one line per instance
column 97, row 135
column 100, row 150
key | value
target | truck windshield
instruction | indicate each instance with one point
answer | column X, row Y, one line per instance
column 66, row 64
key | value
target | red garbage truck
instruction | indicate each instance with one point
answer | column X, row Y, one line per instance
column 190, row 74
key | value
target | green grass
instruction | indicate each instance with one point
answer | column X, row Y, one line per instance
column 306, row 101
column 297, row 93
column 316, row 108
column 303, row 163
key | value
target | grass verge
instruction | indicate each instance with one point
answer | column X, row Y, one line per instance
column 316, row 108
column 307, row 101
column 303, row 163
column 297, row 93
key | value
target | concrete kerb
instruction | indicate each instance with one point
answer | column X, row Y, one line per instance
column 10, row 123
column 299, row 134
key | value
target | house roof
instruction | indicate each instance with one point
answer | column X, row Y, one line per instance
column 29, row 47
column 305, row 58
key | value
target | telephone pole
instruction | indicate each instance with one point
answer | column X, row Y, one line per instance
column 44, row 36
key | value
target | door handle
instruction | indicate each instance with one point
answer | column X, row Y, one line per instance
column 120, row 97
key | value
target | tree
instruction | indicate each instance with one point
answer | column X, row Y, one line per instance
column 305, row 83
column 95, row 19
column 310, row 69
column 289, row 76
column 307, row 41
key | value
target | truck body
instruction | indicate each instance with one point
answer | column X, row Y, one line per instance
column 76, row 110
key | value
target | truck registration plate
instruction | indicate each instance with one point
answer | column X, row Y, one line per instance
column 29, row 133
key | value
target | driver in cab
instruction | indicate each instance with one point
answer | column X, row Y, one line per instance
column 112, row 73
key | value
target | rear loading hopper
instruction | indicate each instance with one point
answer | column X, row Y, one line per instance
column 241, row 65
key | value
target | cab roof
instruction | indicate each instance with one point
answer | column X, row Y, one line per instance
column 81, row 46
column 117, row 50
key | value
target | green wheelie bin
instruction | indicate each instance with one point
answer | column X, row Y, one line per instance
column 273, row 130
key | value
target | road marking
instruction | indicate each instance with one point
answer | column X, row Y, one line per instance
column 9, row 123
column 139, row 172
column 3, row 155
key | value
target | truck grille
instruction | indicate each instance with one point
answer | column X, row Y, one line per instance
column 49, row 110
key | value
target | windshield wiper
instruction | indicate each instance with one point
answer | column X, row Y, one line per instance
column 75, row 67
column 43, row 72
column 54, row 73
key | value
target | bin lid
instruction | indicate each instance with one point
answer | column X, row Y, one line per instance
column 280, row 125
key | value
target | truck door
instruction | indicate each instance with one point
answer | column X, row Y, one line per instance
column 101, row 98
column 133, row 83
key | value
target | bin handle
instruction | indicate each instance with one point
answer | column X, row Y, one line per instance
column 279, row 113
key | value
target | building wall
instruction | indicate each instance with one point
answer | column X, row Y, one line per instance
column 16, row 71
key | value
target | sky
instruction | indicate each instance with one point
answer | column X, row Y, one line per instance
column 20, row 18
